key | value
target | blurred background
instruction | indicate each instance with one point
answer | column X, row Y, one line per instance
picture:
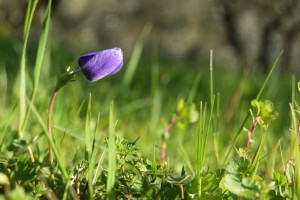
column 246, row 37
column 241, row 33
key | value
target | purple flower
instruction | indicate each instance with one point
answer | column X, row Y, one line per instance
column 97, row 65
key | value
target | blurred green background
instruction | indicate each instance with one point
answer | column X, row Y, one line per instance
column 246, row 38
column 240, row 32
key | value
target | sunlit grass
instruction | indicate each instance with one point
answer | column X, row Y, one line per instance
column 99, row 146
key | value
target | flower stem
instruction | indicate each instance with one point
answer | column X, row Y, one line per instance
column 62, row 80
column 254, row 126
column 50, row 113
column 73, row 73
column 165, row 137
column 181, row 192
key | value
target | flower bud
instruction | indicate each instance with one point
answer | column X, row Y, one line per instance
column 97, row 65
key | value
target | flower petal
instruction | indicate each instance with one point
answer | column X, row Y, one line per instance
column 97, row 65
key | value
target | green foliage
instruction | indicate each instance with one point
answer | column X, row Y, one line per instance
column 237, row 180
column 122, row 170
column 265, row 110
column 186, row 112
column 22, row 175
column 135, row 176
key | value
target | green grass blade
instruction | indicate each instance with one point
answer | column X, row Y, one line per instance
column 90, row 174
column 88, row 145
column 248, row 114
column 293, row 89
column 42, row 46
column 39, row 57
column 255, row 161
column 204, row 129
column 193, row 90
column 216, row 136
column 200, row 145
column 268, row 76
column 182, row 151
column 27, row 17
column 111, row 156
column 296, row 151
column 29, row 13
column 211, row 78
column 5, row 124
column 293, row 131
column 98, row 168
column 95, row 132
column 297, row 171
column 58, row 156
column 199, row 141
column 135, row 57
column 22, row 95
column 22, row 86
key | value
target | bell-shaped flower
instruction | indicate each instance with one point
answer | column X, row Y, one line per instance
column 97, row 65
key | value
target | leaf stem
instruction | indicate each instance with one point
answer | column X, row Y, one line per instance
column 165, row 137
column 50, row 114
column 254, row 126
column 181, row 192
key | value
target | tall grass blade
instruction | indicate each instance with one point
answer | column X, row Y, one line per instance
column 293, row 139
column 295, row 150
column 92, row 162
column 98, row 168
column 22, row 87
column 297, row 171
column 39, row 57
column 6, row 124
column 216, row 135
column 193, row 90
column 59, row 157
column 135, row 57
column 29, row 13
column 182, row 151
column 211, row 78
column 248, row 114
column 95, row 132
column 111, row 156
column 88, row 145
column 199, row 148
column 201, row 145
column 293, row 98
column 268, row 76
column 294, row 120
column 91, row 174
column 255, row 161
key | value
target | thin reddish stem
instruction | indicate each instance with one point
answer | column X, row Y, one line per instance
column 181, row 192
column 50, row 113
column 165, row 137
column 254, row 126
